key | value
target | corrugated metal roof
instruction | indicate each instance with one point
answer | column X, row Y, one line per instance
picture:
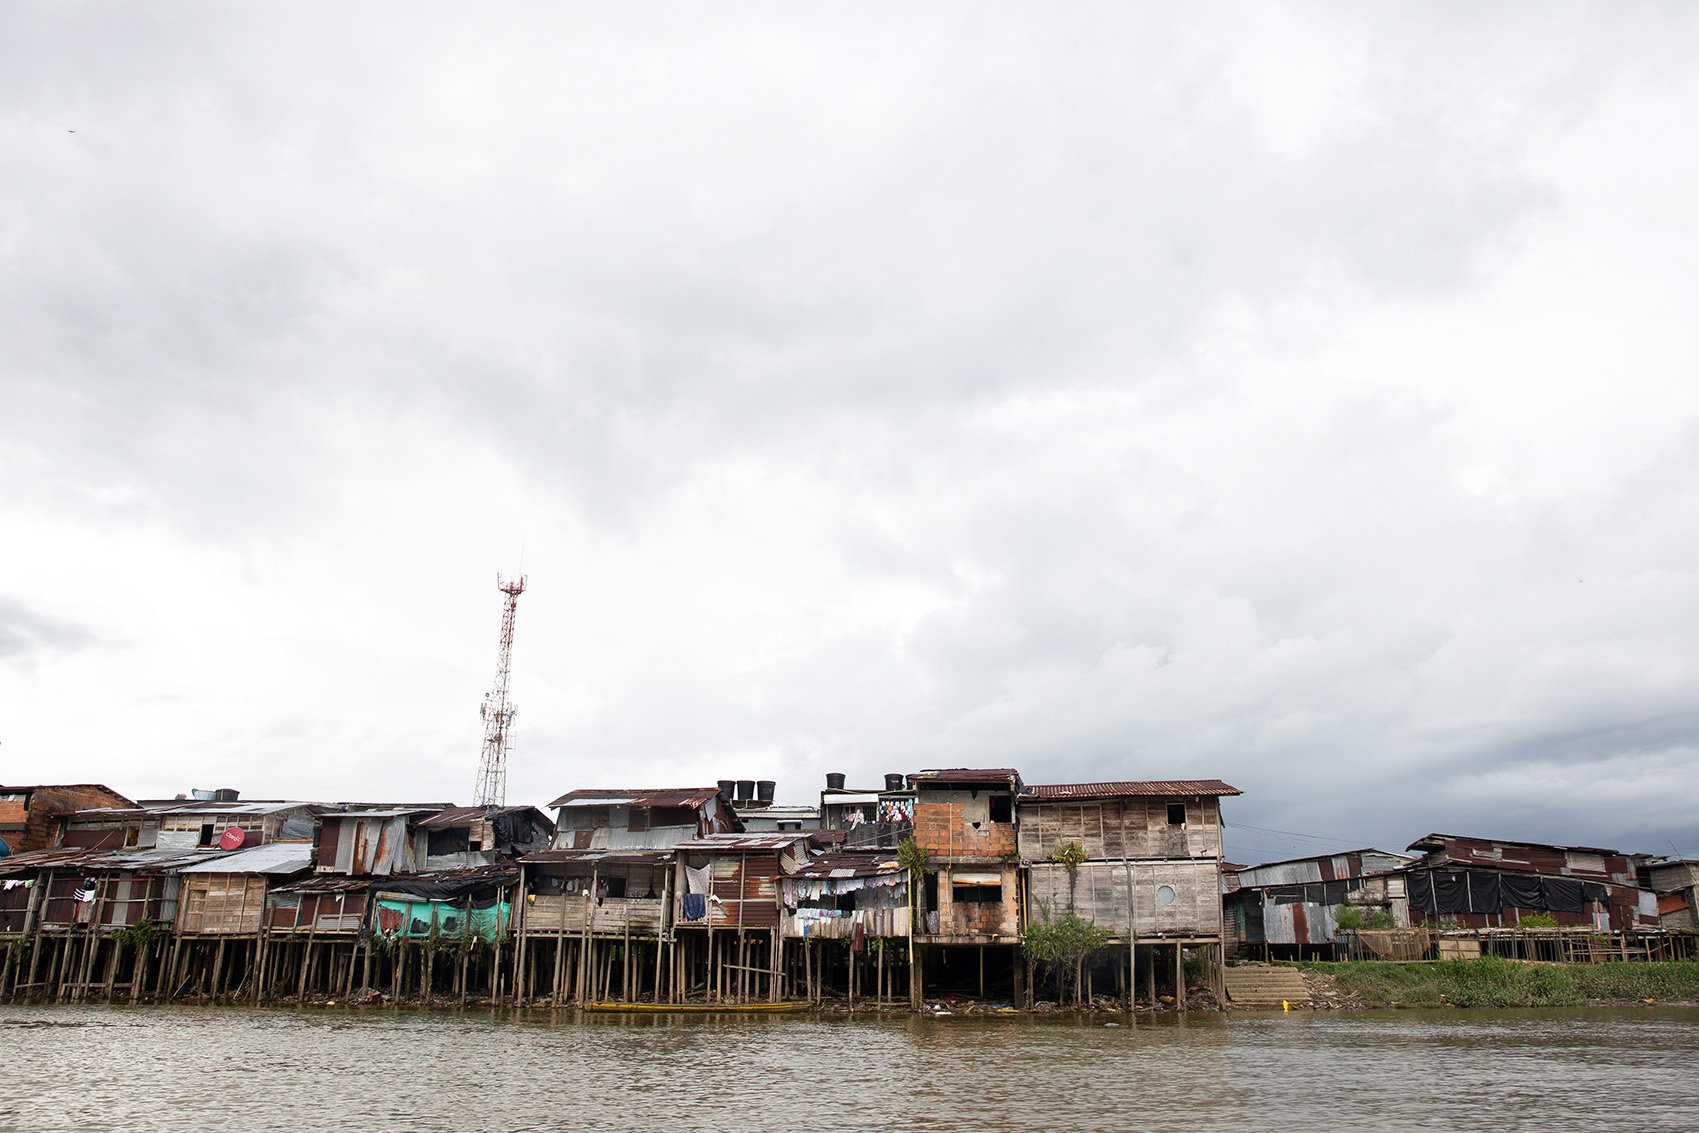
column 646, row 796
column 1439, row 841
column 848, row 864
column 1129, row 789
column 735, row 843
column 199, row 806
column 786, row 812
column 466, row 815
column 544, row 857
column 966, row 775
column 1317, row 858
column 273, row 857
column 328, row 883
column 107, row 861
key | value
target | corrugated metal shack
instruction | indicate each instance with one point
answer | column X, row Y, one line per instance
column 1676, row 882
column 376, row 841
column 1480, row 892
column 202, row 823
column 1287, row 909
column 603, row 892
column 726, row 897
column 89, row 922
column 460, row 837
column 858, row 900
column 1139, row 858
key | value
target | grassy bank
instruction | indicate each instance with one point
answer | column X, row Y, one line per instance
column 1505, row 983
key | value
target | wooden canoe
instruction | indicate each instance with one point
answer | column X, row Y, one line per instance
column 787, row 1007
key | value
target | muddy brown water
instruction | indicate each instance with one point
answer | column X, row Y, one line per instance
column 235, row 1069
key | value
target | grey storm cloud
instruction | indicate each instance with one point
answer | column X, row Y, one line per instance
column 25, row 633
column 1120, row 392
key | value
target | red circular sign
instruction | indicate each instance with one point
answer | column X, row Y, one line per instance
column 231, row 838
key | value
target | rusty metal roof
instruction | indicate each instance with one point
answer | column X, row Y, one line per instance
column 1128, row 789
column 107, row 861
column 966, row 775
column 1232, row 868
column 466, row 815
column 328, row 883
column 558, row 857
column 764, row 842
column 1441, row 841
column 645, row 796
column 849, row 863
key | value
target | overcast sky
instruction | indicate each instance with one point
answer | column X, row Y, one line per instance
column 1301, row 396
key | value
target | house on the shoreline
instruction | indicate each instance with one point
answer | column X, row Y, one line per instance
column 1490, row 883
column 1292, row 909
column 1140, row 859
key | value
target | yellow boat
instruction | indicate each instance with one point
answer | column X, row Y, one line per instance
column 782, row 1008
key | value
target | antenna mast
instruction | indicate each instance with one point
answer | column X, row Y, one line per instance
column 496, row 710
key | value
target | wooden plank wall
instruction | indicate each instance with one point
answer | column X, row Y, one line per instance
column 1113, row 829
column 1101, row 896
column 551, row 913
column 223, row 902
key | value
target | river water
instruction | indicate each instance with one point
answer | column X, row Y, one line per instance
column 238, row 1069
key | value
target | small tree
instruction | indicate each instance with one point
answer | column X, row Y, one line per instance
column 1355, row 918
column 1070, row 855
column 914, row 857
column 1064, row 945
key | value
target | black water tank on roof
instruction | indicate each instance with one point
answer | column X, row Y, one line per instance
column 764, row 790
column 728, row 787
column 226, row 795
column 893, row 782
column 834, row 780
column 745, row 790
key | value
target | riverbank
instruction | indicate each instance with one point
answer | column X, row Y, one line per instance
column 1492, row 982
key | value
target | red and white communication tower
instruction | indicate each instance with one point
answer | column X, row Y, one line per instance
column 497, row 710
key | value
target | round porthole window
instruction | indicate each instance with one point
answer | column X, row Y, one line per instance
column 1164, row 894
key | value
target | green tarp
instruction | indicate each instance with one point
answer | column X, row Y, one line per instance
column 417, row 919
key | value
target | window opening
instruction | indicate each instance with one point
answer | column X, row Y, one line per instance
column 1176, row 814
column 976, row 894
column 1002, row 808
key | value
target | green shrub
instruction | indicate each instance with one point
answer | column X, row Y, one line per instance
column 1494, row 982
column 1064, row 945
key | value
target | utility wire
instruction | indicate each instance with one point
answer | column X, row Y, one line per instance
column 1288, row 833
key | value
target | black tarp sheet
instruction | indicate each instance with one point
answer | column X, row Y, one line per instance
column 1450, row 892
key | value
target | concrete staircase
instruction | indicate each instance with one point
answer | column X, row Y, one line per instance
column 1262, row 987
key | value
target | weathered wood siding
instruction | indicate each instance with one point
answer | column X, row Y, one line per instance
column 548, row 914
column 1114, row 829
column 957, row 824
column 119, row 900
column 317, row 912
column 1100, row 894
column 223, row 902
